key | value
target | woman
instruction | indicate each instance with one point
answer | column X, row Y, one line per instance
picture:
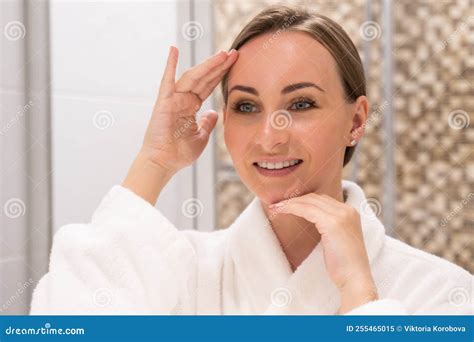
column 295, row 108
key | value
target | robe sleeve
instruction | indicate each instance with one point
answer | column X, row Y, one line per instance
column 448, row 294
column 441, row 295
column 129, row 259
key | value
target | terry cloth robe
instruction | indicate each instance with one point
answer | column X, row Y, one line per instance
column 131, row 260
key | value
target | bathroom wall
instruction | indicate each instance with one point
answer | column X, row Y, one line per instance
column 107, row 59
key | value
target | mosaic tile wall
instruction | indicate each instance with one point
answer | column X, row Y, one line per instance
column 433, row 103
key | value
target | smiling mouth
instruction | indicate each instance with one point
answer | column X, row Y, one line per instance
column 278, row 169
column 279, row 165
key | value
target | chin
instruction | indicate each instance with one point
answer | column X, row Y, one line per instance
column 270, row 198
column 268, row 194
column 277, row 195
column 272, row 191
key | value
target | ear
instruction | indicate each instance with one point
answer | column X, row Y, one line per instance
column 359, row 118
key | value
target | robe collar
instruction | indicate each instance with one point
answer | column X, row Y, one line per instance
column 264, row 274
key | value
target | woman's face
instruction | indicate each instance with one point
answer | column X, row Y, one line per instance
column 286, row 105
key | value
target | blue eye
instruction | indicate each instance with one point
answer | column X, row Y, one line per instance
column 302, row 105
column 244, row 107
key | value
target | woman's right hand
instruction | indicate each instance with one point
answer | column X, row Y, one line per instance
column 174, row 139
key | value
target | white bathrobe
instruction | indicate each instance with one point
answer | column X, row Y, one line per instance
column 131, row 260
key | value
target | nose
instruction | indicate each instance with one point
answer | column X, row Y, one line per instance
column 273, row 130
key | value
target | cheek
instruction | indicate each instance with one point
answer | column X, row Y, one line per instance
column 236, row 142
column 320, row 138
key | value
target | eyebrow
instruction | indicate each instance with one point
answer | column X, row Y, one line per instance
column 296, row 86
column 286, row 90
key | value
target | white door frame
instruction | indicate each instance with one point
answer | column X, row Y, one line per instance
column 196, row 43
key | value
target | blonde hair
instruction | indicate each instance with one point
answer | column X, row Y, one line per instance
column 279, row 18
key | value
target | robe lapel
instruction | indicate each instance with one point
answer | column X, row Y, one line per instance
column 264, row 274
column 260, row 265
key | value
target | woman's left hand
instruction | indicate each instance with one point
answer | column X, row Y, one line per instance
column 344, row 251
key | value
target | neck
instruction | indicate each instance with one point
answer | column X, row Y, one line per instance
column 297, row 236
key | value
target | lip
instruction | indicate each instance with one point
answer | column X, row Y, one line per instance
column 277, row 173
column 276, row 159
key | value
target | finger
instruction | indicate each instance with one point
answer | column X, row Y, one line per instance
column 168, row 80
column 191, row 78
column 208, row 88
column 333, row 201
column 205, row 68
column 222, row 69
column 309, row 212
column 207, row 122
column 186, row 104
column 318, row 200
column 205, row 89
column 341, row 208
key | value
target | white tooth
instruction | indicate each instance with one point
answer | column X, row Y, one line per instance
column 279, row 165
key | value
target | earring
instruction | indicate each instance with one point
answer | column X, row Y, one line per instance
column 353, row 142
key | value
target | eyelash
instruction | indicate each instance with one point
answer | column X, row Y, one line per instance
column 312, row 104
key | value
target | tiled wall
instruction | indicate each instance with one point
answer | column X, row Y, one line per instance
column 432, row 97
column 434, row 88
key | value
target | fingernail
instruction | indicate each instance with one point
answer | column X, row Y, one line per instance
column 276, row 205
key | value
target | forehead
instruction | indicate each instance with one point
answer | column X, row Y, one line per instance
column 279, row 59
